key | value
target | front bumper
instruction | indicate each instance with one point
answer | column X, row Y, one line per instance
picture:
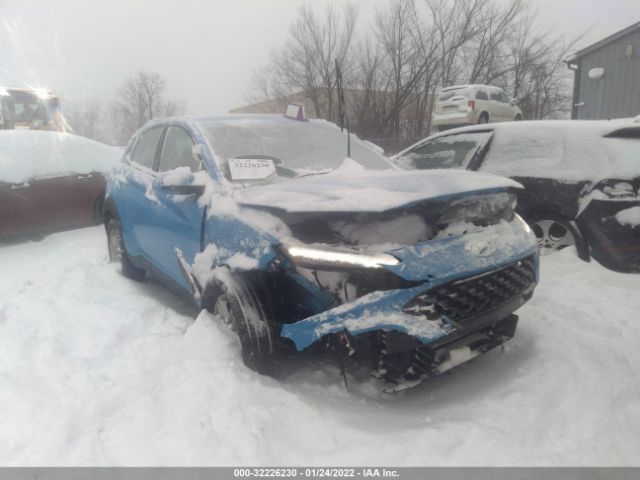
column 454, row 118
column 457, row 291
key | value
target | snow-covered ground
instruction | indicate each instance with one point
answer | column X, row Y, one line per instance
column 98, row 370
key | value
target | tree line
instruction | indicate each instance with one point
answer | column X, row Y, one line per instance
column 394, row 67
column 140, row 98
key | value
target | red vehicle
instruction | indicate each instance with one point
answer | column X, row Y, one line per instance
column 51, row 181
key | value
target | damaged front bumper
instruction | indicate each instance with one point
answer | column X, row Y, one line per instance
column 462, row 284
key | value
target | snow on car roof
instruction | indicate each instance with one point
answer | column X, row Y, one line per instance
column 28, row 154
column 566, row 150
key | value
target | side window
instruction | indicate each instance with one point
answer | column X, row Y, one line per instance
column 482, row 95
column 495, row 96
column 145, row 150
column 452, row 151
column 504, row 98
column 177, row 151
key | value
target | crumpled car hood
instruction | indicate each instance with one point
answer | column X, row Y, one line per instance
column 371, row 191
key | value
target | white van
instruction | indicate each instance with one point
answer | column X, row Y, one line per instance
column 470, row 104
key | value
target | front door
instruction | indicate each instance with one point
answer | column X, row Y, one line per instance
column 176, row 217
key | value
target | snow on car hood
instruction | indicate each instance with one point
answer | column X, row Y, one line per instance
column 370, row 191
column 27, row 154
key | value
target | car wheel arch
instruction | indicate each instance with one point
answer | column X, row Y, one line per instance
column 582, row 245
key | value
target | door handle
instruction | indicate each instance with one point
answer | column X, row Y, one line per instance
column 22, row 185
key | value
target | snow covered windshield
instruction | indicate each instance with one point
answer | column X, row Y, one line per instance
column 295, row 148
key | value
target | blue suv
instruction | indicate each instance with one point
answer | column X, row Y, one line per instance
column 265, row 221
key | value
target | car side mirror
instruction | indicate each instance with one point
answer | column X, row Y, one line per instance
column 180, row 182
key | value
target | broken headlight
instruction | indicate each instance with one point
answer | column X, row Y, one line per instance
column 481, row 210
column 328, row 257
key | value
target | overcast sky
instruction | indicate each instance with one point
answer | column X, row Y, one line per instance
column 205, row 49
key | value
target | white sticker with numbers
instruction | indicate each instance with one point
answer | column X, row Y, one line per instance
column 251, row 168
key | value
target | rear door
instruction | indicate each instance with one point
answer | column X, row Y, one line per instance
column 18, row 209
column 496, row 112
column 135, row 199
column 506, row 108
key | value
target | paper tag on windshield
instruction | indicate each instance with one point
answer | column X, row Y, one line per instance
column 251, row 168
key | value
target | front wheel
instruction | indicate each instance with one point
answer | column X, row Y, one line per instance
column 483, row 118
column 240, row 306
column 518, row 118
column 118, row 254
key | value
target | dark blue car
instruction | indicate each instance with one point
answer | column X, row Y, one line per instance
column 264, row 221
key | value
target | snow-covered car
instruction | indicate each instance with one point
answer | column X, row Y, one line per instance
column 51, row 181
column 470, row 104
column 262, row 220
column 581, row 179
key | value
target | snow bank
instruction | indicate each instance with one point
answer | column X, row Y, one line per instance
column 98, row 370
column 27, row 154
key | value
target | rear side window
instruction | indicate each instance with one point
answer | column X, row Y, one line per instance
column 145, row 150
column 452, row 151
column 177, row 151
column 482, row 95
column 495, row 96
column 504, row 98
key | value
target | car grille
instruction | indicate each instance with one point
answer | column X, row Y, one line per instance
column 465, row 299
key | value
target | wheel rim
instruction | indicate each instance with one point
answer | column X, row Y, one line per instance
column 115, row 245
column 222, row 310
column 552, row 236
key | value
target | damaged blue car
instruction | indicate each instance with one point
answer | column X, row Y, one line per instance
column 266, row 222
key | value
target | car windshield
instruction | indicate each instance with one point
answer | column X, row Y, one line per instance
column 451, row 151
column 295, row 148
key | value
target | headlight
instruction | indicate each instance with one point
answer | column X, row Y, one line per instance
column 319, row 257
column 483, row 209
column 619, row 190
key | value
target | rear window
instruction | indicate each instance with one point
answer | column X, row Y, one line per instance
column 452, row 151
column 458, row 92
column 482, row 95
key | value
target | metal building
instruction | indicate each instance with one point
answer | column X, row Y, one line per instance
column 607, row 77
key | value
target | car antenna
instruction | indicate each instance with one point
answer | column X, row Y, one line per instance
column 344, row 119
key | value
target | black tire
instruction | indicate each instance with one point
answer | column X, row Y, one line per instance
column 483, row 118
column 117, row 252
column 518, row 118
column 242, row 306
column 555, row 232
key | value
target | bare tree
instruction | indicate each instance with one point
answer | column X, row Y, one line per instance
column 85, row 118
column 140, row 99
column 414, row 48
column 306, row 63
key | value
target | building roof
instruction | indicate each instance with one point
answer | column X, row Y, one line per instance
column 605, row 41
